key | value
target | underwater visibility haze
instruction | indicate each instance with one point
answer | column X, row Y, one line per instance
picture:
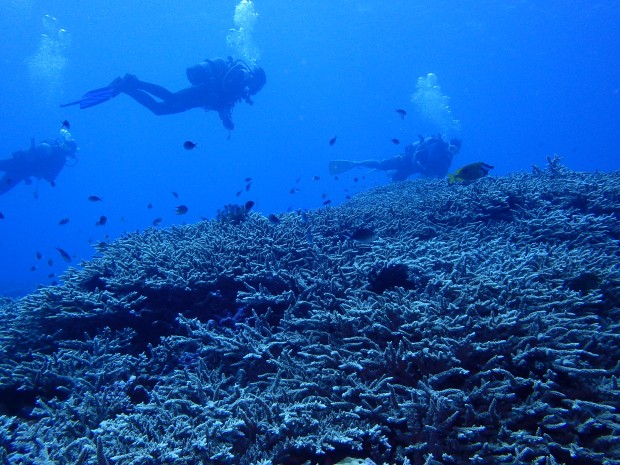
column 252, row 286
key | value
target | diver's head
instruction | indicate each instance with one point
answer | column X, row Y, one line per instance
column 455, row 145
column 256, row 80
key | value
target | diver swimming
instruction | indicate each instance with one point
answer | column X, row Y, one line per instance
column 431, row 157
column 42, row 161
column 216, row 84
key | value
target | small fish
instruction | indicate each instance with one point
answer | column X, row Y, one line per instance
column 247, row 180
column 324, row 195
column 273, row 219
column 50, row 262
column 38, row 255
column 248, row 205
column 149, row 206
column 238, row 193
column 335, row 178
column 102, row 220
column 175, row 195
column 316, row 178
column 355, row 179
column 189, row 145
column 304, row 217
column 362, row 235
column 470, row 172
column 181, row 210
column 94, row 198
column 51, row 275
column 33, row 268
column 332, row 141
column 401, row 112
column 395, row 141
column 247, row 186
column 293, row 190
column 157, row 221
column 327, row 202
column 297, row 180
column 63, row 253
column 63, row 221
column 65, row 125
column 1, row 216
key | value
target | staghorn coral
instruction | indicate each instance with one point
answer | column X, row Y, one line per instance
column 491, row 338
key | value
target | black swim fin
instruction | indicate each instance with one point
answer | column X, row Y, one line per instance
column 95, row 97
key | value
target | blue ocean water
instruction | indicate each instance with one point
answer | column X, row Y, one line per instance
column 524, row 79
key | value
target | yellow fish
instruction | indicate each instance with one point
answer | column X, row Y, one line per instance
column 470, row 172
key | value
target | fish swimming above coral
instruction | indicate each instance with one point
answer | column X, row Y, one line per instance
column 471, row 172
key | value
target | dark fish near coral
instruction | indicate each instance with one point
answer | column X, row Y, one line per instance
column 181, row 210
column 63, row 221
column 395, row 141
column 470, row 172
column 157, row 221
column 332, row 141
column 65, row 125
column 102, row 220
column 327, row 202
column 362, row 235
column 189, row 145
column 248, row 205
column 273, row 219
column 304, row 217
column 94, row 198
column 63, row 253
column 401, row 112
column 238, row 193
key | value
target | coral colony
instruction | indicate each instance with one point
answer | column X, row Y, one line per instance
column 479, row 323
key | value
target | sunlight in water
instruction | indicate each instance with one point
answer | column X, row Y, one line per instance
column 240, row 39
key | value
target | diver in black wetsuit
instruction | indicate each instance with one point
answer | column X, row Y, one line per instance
column 431, row 157
column 217, row 84
column 44, row 160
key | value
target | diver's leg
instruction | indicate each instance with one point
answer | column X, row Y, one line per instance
column 143, row 92
column 144, row 99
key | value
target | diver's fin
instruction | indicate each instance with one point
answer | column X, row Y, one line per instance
column 340, row 166
column 95, row 97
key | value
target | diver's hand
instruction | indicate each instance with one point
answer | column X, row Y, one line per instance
column 227, row 120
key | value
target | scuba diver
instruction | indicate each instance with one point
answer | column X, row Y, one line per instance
column 431, row 157
column 42, row 161
column 216, row 84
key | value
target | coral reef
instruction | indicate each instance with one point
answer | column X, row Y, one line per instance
column 480, row 325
